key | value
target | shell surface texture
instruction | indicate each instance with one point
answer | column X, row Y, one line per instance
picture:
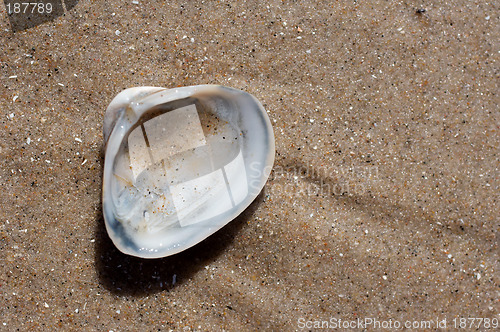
column 180, row 164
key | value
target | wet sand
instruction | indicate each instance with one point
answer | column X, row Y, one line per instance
column 383, row 203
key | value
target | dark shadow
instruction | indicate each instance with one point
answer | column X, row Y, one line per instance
column 127, row 275
column 25, row 14
column 70, row 4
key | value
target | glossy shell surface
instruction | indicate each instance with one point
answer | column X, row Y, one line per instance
column 180, row 164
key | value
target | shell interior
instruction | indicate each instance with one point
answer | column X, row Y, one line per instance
column 180, row 164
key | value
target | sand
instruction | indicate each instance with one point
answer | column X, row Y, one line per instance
column 382, row 206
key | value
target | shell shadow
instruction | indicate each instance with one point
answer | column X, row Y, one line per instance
column 132, row 276
column 414, row 216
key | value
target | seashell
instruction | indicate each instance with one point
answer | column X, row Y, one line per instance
column 180, row 164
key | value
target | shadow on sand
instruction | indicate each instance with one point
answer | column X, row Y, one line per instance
column 131, row 276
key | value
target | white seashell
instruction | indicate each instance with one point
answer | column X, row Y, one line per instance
column 180, row 164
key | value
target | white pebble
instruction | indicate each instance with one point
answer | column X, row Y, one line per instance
column 117, row 32
column 78, row 140
column 15, row 98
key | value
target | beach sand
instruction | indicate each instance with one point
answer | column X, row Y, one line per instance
column 381, row 206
